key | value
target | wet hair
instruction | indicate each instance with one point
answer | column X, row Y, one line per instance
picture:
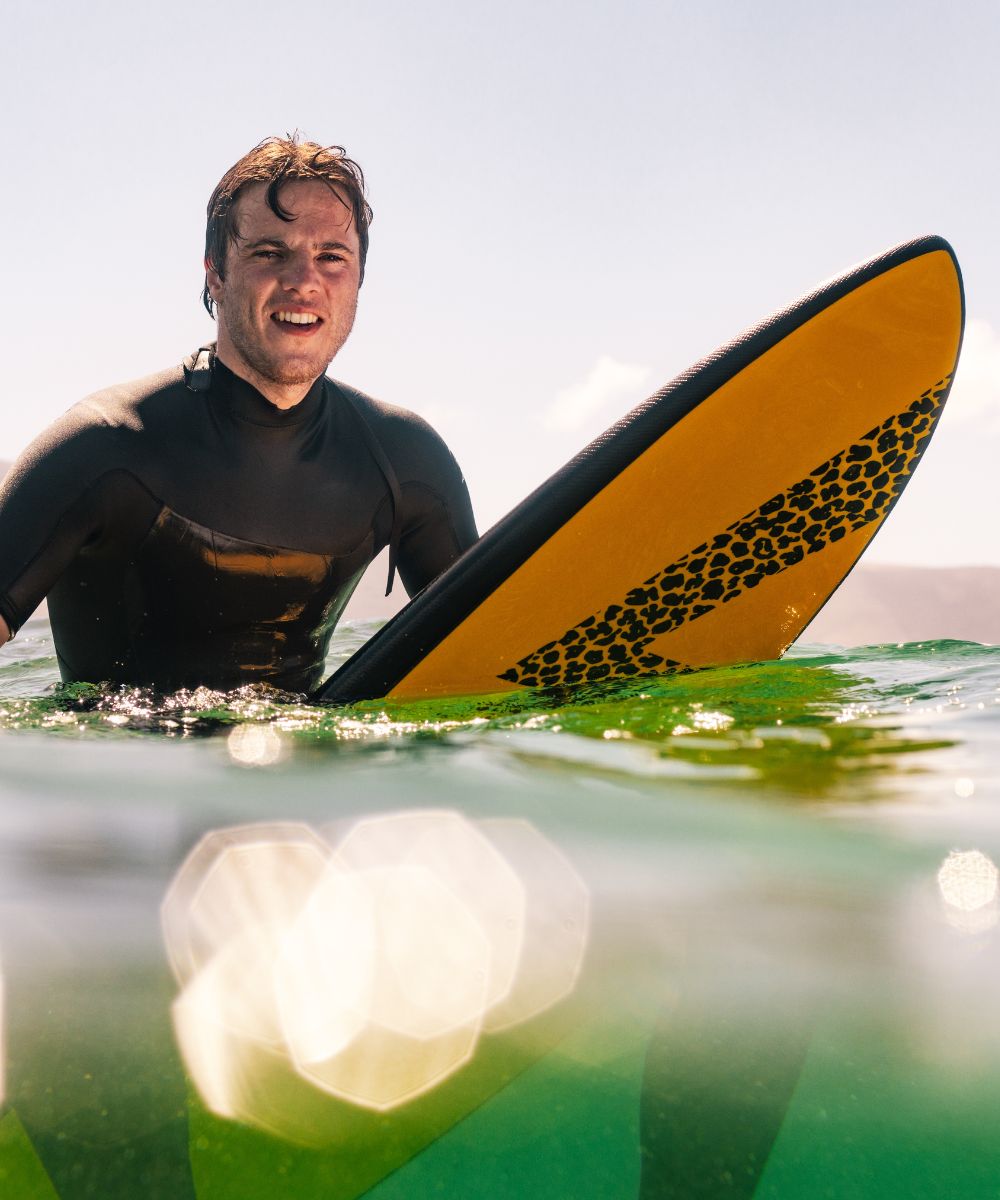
column 275, row 162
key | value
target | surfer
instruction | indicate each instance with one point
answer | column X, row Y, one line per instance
column 207, row 525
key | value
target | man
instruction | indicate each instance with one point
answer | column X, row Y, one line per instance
column 208, row 524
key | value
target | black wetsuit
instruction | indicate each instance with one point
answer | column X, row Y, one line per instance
column 186, row 531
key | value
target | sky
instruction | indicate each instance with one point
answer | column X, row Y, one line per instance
column 574, row 201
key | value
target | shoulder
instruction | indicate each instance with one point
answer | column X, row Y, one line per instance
column 411, row 443
column 87, row 437
column 124, row 404
column 384, row 416
column 120, row 406
column 436, row 507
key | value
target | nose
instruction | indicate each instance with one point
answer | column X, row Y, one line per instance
column 299, row 274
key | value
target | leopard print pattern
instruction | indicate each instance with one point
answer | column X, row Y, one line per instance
column 853, row 488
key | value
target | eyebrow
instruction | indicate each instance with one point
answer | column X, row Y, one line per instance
column 269, row 241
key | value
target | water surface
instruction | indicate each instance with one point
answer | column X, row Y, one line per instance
column 788, row 980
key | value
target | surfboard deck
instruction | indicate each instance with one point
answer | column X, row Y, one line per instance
column 709, row 525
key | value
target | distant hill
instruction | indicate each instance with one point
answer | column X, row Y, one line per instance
column 911, row 604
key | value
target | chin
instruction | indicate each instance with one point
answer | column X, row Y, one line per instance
column 292, row 374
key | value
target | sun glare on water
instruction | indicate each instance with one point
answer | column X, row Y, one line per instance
column 363, row 971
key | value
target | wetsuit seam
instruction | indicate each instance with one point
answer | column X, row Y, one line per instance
column 369, row 536
column 433, row 492
column 235, row 537
column 390, row 475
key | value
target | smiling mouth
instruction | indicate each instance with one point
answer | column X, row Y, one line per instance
column 299, row 322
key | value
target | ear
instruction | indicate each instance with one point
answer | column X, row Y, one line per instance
column 214, row 281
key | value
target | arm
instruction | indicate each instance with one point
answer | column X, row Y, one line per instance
column 439, row 525
column 46, row 514
column 431, row 513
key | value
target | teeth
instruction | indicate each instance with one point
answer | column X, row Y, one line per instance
column 297, row 318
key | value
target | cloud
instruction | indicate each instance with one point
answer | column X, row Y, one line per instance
column 609, row 385
column 976, row 395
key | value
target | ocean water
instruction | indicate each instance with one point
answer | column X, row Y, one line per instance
column 733, row 933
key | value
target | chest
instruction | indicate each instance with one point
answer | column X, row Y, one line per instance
column 315, row 492
column 196, row 577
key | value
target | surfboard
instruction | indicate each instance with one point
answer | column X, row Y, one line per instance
column 709, row 525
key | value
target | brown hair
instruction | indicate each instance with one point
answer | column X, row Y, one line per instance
column 274, row 162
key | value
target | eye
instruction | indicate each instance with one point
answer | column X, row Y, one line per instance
column 265, row 255
column 331, row 256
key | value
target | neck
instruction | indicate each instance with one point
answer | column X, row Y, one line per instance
column 281, row 395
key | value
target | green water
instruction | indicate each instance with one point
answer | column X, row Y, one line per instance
column 789, row 988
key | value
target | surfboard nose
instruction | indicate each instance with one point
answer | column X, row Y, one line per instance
column 710, row 524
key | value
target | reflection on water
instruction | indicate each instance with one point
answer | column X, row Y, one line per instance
column 253, row 878
column 256, row 745
column 367, row 967
column 732, row 933
column 968, row 883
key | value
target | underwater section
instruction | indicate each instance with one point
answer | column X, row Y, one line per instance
column 730, row 932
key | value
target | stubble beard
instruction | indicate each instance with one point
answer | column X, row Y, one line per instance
column 283, row 370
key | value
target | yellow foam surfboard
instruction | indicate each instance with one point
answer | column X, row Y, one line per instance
column 711, row 524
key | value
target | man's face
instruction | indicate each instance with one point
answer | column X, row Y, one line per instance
column 290, row 292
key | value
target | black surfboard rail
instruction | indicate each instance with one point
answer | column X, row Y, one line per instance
column 416, row 630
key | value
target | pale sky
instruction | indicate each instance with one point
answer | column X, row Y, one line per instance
column 573, row 201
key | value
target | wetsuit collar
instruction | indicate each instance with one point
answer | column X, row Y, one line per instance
column 204, row 372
